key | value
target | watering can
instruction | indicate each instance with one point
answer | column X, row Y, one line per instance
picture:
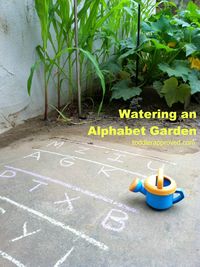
column 160, row 191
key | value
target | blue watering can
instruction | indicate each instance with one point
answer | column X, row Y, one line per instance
column 160, row 191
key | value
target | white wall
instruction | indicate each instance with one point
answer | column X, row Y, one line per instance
column 19, row 34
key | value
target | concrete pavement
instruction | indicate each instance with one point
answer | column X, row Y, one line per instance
column 65, row 202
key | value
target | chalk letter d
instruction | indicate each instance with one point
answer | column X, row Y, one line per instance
column 8, row 174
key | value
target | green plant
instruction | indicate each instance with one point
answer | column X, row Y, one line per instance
column 101, row 25
column 119, row 69
column 183, row 68
column 169, row 55
column 42, row 8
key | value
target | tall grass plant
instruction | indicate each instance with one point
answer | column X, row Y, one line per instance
column 101, row 26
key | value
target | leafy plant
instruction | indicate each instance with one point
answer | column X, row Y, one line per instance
column 101, row 25
column 42, row 8
column 120, row 68
column 169, row 54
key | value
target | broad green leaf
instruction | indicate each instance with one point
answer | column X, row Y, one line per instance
column 169, row 90
column 183, row 93
column 157, row 85
column 160, row 46
column 194, row 82
column 190, row 49
column 146, row 27
column 123, row 90
column 162, row 24
column 179, row 68
column 175, row 93
column 112, row 66
column 182, row 22
column 196, row 40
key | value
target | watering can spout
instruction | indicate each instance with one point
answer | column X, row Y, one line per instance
column 137, row 186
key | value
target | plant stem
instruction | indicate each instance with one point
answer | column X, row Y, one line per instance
column 138, row 43
column 46, row 94
column 77, row 58
column 58, row 90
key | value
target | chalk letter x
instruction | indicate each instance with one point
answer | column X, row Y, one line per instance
column 25, row 233
column 67, row 200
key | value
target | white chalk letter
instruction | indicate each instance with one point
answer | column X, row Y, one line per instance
column 82, row 150
column 63, row 259
column 66, row 163
column 68, row 201
column 25, row 233
column 39, row 183
column 8, row 257
column 56, row 144
column 115, row 220
column 8, row 174
column 117, row 159
column 106, row 170
column 35, row 155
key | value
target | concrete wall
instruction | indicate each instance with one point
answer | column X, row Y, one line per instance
column 19, row 34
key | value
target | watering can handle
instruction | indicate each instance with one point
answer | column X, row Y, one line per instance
column 180, row 196
column 160, row 179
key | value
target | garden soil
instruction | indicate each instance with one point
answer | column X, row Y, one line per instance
column 59, row 127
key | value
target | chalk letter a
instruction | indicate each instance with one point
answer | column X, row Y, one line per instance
column 35, row 155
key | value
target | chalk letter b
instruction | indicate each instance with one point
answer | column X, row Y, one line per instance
column 115, row 220
column 8, row 174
